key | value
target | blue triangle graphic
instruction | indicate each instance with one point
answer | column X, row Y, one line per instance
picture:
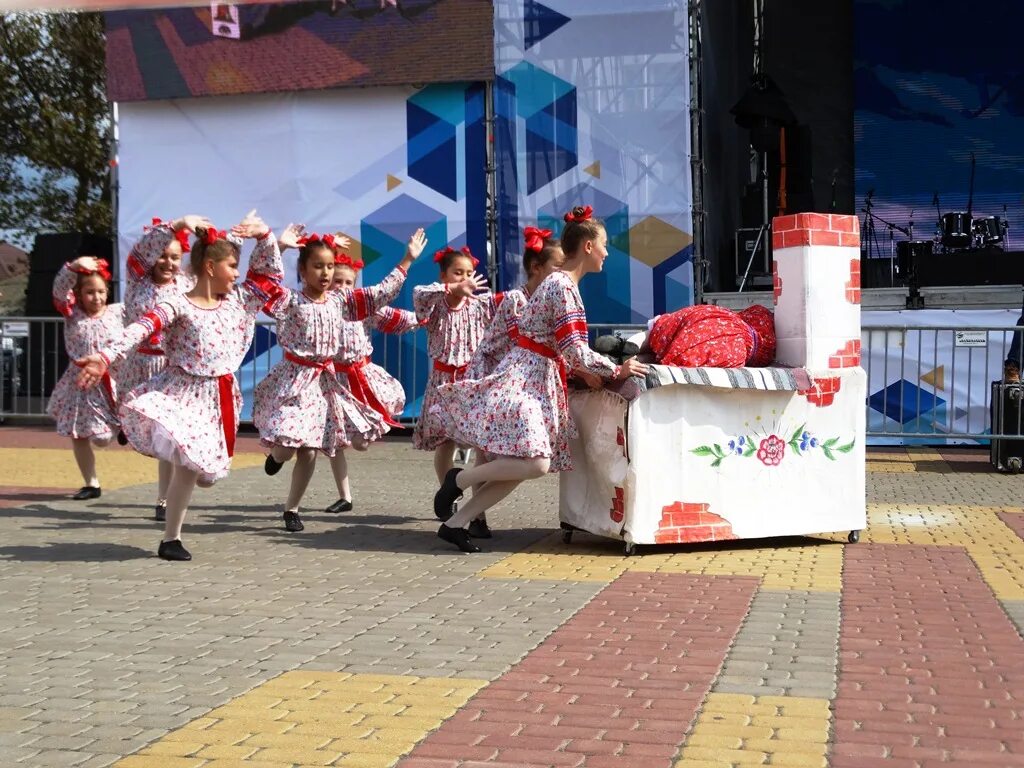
column 539, row 21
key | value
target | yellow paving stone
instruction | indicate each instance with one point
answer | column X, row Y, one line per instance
column 694, row 763
column 815, row 565
column 226, row 752
column 734, row 756
column 305, row 730
column 158, row 761
column 784, row 728
column 55, row 467
column 174, row 748
column 202, row 723
column 303, row 756
column 796, row 760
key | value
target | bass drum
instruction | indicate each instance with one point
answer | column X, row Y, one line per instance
column 956, row 229
column 988, row 230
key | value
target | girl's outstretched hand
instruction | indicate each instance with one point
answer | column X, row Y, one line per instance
column 190, row 222
column 85, row 263
column 470, row 286
column 251, row 226
column 93, row 367
column 290, row 237
column 632, row 367
column 341, row 242
column 417, row 243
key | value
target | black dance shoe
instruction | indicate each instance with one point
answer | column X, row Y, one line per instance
column 87, row 492
column 122, row 439
column 160, row 513
column 447, row 495
column 341, row 505
column 173, row 550
column 478, row 529
column 615, row 347
column 293, row 523
column 272, row 467
column 458, row 537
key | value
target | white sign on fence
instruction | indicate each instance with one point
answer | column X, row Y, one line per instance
column 16, row 330
column 971, row 338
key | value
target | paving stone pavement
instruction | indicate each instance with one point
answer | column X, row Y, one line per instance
column 365, row 641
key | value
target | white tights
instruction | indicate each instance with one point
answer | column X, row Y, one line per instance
column 85, row 458
column 492, row 482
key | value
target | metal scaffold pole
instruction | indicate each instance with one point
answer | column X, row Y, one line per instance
column 491, row 213
column 701, row 272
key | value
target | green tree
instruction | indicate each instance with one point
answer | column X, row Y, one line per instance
column 55, row 131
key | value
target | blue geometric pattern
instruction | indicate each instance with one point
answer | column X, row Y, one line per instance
column 433, row 117
column 539, row 21
column 904, row 402
column 672, row 282
column 548, row 105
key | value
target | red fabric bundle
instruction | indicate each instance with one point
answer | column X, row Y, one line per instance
column 714, row 337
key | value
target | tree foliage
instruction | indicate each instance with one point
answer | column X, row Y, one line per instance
column 55, row 132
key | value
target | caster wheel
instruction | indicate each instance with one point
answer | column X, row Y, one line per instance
column 854, row 537
column 629, row 549
column 1013, row 464
column 567, row 537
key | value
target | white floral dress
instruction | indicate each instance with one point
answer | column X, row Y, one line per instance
column 141, row 295
column 453, row 334
column 188, row 413
column 521, row 410
column 501, row 334
column 369, row 382
column 90, row 413
column 302, row 403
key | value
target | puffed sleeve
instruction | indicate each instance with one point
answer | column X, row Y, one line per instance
column 427, row 298
column 392, row 320
column 264, row 281
column 361, row 303
column 571, row 336
column 64, row 291
column 150, row 324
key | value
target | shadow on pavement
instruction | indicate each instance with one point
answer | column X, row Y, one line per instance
column 73, row 552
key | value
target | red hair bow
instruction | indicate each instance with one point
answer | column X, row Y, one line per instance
column 344, row 260
column 578, row 217
column 213, row 235
column 103, row 269
column 313, row 237
column 535, row 238
column 463, row 251
column 182, row 237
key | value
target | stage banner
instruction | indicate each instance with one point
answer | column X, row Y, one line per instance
column 372, row 164
column 930, row 371
column 591, row 108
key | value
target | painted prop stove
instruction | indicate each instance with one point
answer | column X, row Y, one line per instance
column 715, row 454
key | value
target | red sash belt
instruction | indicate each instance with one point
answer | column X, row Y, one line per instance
column 108, row 388
column 150, row 351
column 226, row 387
column 360, row 388
column 544, row 351
column 319, row 365
column 455, row 371
column 513, row 333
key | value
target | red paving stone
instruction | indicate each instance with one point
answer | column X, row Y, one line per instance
column 616, row 686
column 931, row 669
column 1015, row 520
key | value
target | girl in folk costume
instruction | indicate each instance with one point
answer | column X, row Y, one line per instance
column 367, row 381
column 87, row 417
column 542, row 255
column 519, row 416
column 154, row 275
column 188, row 413
column 301, row 407
column 456, row 315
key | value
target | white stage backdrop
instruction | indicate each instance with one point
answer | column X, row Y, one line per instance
column 935, row 377
column 374, row 164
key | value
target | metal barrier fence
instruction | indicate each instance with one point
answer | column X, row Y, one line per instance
column 923, row 383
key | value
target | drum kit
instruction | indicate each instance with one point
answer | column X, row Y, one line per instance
column 956, row 231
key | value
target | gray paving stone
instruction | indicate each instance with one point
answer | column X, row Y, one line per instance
column 1015, row 610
